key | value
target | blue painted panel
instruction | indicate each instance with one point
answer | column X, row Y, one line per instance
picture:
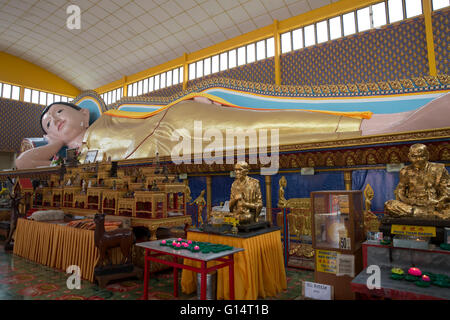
column 221, row 187
column 197, row 184
column 299, row 186
column 382, row 182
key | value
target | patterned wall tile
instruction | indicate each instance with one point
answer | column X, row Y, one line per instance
column 18, row 120
column 261, row 71
column 165, row 92
column 393, row 52
column 441, row 37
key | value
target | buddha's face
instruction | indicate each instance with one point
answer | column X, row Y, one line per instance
column 65, row 123
column 418, row 157
column 240, row 171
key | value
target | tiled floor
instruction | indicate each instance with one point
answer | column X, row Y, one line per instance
column 21, row 279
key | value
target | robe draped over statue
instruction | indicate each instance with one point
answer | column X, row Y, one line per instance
column 127, row 138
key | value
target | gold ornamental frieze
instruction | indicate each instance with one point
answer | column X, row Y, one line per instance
column 329, row 158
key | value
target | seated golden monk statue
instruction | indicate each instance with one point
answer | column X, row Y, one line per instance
column 423, row 189
column 245, row 198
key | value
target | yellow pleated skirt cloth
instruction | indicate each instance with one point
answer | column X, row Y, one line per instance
column 258, row 270
column 58, row 246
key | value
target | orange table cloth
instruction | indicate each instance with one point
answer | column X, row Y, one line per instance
column 258, row 270
column 58, row 246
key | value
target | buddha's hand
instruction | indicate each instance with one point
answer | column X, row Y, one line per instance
column 248, row 205
column 402, row 198
column 52, row 141
column 238, row 197
column 438, row 204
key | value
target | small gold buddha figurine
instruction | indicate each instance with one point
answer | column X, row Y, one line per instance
column 281, row 198
column 245, row 198
column 83, row 186
column 201, row 203
column 371, row 222
column 423, row 189
column 157, row 163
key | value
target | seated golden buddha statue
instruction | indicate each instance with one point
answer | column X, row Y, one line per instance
column 245, row 198
column 423, row 189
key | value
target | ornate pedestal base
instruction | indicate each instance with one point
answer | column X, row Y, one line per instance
column 222, row 229
column 440, row 225
column 253, row 226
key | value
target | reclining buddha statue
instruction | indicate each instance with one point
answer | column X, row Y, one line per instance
column 131, row 137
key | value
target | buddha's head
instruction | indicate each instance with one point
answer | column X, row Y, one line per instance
column 241, row 170
column 64, row 121
column 418, row 155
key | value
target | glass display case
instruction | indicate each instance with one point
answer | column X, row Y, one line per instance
column 337, row 220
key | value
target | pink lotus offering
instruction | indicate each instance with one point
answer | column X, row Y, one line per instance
column 163, row 242
column 189, row 241
column 415, row 272
column 174, row 243
column 196, row 248
column 178, row 245
column 179, row 239
column 185, row 244
column 425, row 278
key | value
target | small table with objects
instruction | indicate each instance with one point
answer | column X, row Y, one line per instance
column 216, row 253
column 259, row 269
column 434, row 262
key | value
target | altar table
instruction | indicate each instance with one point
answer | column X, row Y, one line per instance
column 259, row 269
column 203, row 258
column 58, row 246
column 387, row 257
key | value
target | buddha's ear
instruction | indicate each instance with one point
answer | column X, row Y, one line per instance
column 86, row 115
